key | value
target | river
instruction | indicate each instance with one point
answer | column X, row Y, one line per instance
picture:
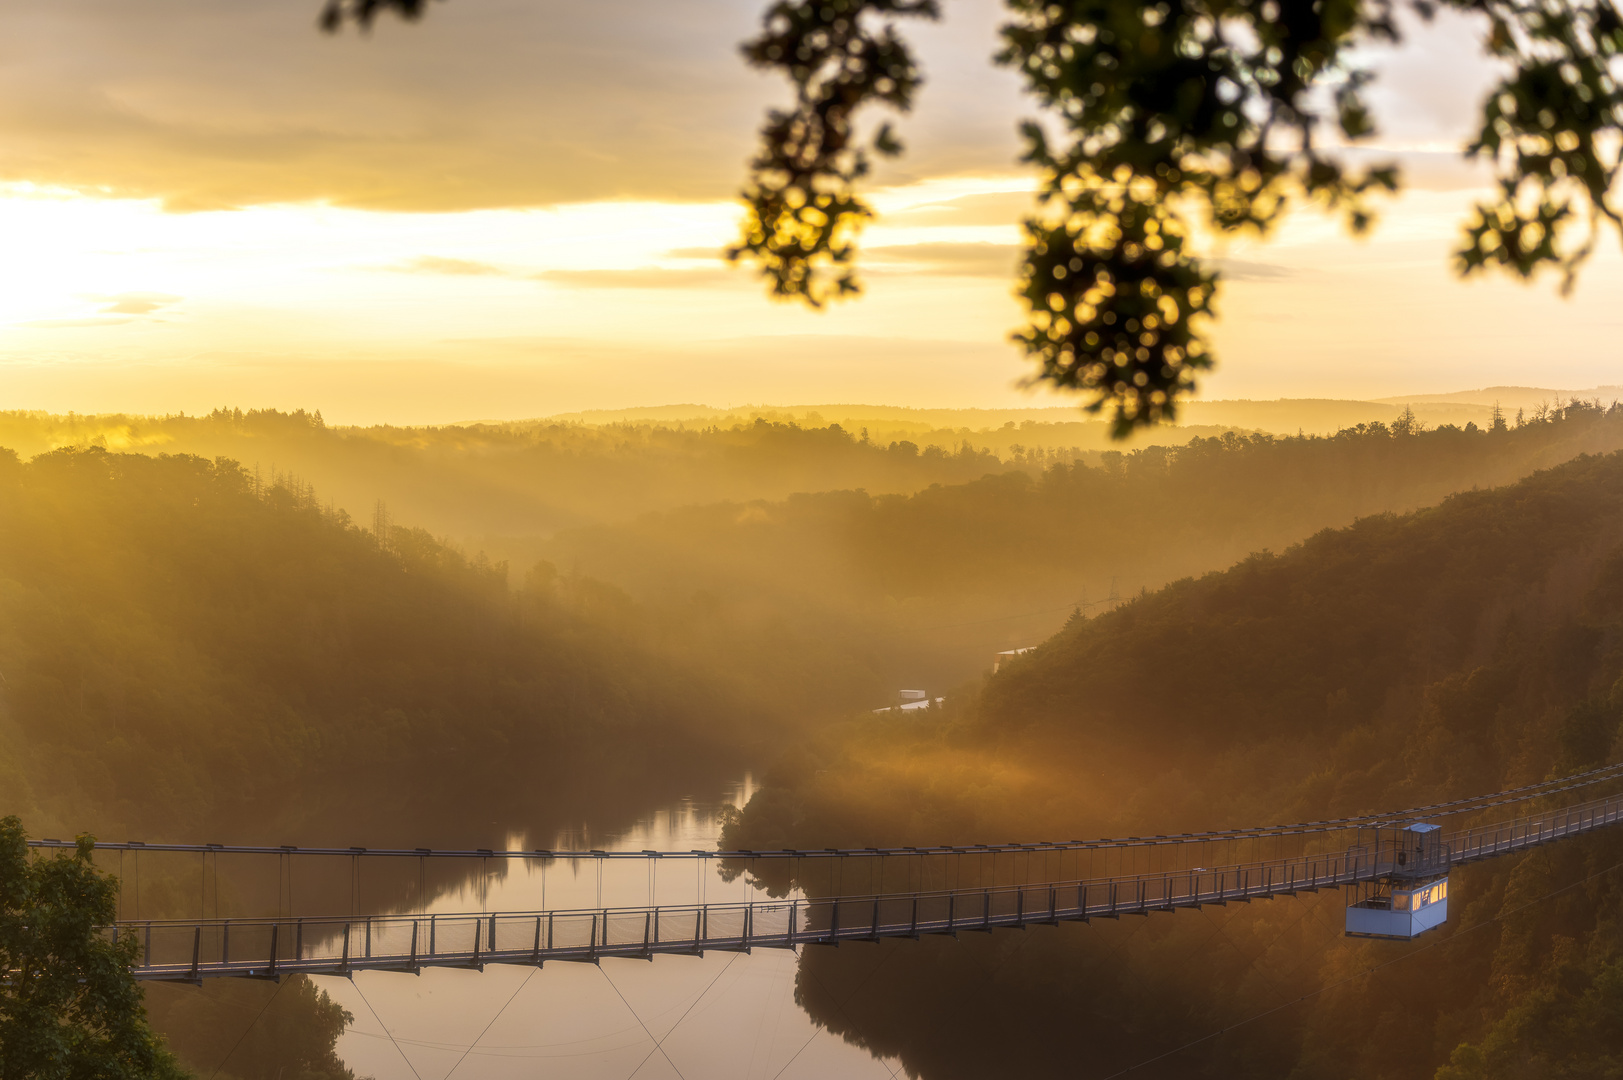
column 723, row 1016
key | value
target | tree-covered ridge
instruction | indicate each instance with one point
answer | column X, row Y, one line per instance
column 907, row 590
column 527, row 478
column 1463, row 648
column 185, row 646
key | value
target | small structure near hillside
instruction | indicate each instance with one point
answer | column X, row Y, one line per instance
column 910, row 700
column 999, row 659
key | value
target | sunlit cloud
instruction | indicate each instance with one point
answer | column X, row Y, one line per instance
column 974, row 259
column 72, row 324
column 648, row 277
column 139, row 303
column 434, row 264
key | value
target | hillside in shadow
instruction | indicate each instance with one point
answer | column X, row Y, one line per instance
column 1402, row 660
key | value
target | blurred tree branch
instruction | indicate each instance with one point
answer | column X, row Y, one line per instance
column 1156, row 116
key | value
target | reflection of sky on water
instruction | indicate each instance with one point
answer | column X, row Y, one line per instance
column 720, row 1017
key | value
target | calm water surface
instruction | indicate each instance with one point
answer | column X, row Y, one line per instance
column 723, row 1016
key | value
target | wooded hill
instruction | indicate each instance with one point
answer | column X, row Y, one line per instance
column 1402, row 660
column 187, row 650
column 846, row 596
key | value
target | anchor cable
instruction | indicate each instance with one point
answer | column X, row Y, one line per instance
column 356, row 983
column 492, row 1023
column 658, row 1044
column 252, row 1024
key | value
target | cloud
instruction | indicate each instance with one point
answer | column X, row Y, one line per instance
column 1246, row 270
column 71, row 324
column 993, row 208
column 482, row 104
column 135, row 303
column 508, row 103
column 434, row 264
column 947, row 259
column 648, row 277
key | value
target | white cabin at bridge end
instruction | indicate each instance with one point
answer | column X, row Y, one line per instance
column 1408, row 893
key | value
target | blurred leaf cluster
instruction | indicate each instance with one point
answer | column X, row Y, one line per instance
column 1551, row 128
column 804, row 212
column 1159, row 116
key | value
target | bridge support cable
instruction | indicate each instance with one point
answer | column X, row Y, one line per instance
column 257, row 948
column 386, row 1032
column 1142, row 844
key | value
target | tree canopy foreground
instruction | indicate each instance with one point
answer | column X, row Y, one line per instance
column 69, row 1007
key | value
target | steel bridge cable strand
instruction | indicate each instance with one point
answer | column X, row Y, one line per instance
column 1465, row 846
column 1362, row 974
column 657, row 1044
column 1474, row 803
column 356, row 982
column 251, row 1025
column 492, row 1023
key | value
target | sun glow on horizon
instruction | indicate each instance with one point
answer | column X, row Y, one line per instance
column 117, row 304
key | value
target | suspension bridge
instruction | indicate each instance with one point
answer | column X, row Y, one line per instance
column 948, row 889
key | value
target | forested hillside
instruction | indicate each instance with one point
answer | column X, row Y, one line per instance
column 847, row 596
column 1402, row 660
column 501, row 484
column 184, row 649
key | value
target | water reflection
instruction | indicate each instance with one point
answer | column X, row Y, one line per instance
column 718, row 1016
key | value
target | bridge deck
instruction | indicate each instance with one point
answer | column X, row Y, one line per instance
column 191, row 950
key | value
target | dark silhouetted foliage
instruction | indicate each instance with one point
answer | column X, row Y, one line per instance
column 1151, row 108
column 69, row 1008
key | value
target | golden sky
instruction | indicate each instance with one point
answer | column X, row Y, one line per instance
column 515, row 208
